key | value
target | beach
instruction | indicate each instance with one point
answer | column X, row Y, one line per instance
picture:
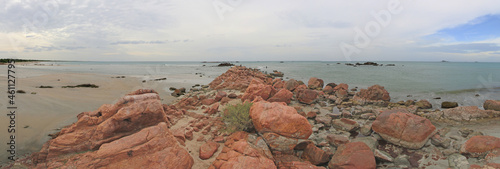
column 43, row 111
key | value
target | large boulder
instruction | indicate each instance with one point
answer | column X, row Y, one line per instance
column 404, row 129
column 374, row 93
column 283, row 95
column 258, row 89
column 130, row 114
column 492, row 105
column 480, row 145
column 291, row 84
column 307, row 96
column 208, row 149
column 315, row 83
column 151, row 147
column 279, row 118
column 353, row 155
column 244, row 151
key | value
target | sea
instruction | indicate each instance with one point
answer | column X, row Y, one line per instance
column 468, row 83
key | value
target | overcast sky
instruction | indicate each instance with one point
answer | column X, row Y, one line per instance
column 243, row 30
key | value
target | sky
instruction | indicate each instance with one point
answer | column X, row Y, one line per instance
column 243, row 30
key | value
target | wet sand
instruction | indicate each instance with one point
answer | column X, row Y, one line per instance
column 50, row 109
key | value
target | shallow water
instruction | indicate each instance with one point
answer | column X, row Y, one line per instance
column 452, row 81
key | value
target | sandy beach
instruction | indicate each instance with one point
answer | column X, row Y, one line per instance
column 42, row 111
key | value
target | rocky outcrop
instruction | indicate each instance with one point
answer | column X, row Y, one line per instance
column 492, row 105
column 353, row 155
column 151, row 147
column 404, row 129
column 480, row 145
column 238, row 78
column 279, row 118
column 462, row 114
column 108, row 123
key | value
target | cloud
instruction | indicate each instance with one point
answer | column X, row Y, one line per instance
column 141, row 42
column 253, row 30
column 464, row 48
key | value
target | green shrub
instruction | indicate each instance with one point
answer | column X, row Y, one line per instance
column 237, row 118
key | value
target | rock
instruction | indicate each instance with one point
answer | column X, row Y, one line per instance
column 383, row 156
column 208, row 101
column 353, row 155
column 366, row 129
column 151, row 147
column 297, row 165
column 258, row 89
column 315, row 83
column 316, row 155
column 232, row 96
column 337, row 140
column 276, row 74
column 208, row 149
column 281, row 144
column 402, row 161
column 283, row 95
column 241, row 151
column 213, row 109
column 341, row 86
column 345, row 124
column 447, row 105
column 480, row 145
column 238, row 78
column 464, row 113
column 371, row 142
column 458, row 161
column 307, row 96
column 374, row 93
column 404, row 129
column 423, row 104
column 279, row 118
column 220, row 95
column 328, row 90
column 439, row 141
column 291, row 84
column 492, row 105
column 130, row 114
column 177, row 93
column 326, row 120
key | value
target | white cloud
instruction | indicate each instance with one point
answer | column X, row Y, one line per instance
column 303, row 30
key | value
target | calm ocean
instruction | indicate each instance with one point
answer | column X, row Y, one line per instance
column 452, row 81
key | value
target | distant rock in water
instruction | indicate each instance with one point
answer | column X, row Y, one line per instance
column 225, row 64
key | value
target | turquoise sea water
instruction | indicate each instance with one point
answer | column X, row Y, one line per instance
column 452, row 81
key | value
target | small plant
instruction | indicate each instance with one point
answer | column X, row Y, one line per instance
column 237, row 118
